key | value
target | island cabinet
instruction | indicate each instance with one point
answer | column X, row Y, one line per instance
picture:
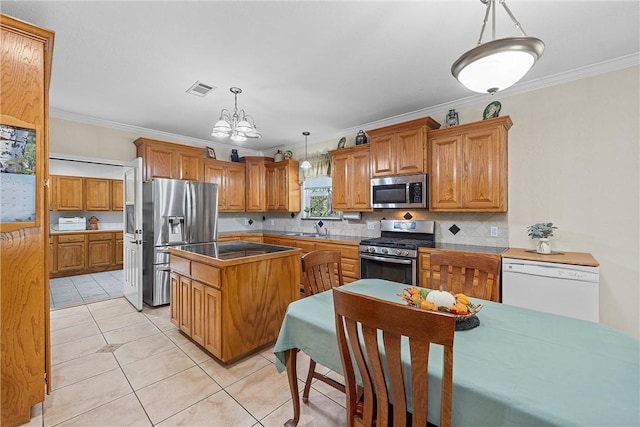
column 350, row 179
column 168, row 160
column 232, row 307
column 283, row 189
column 425, row 271
column 230, row 177
column 469, row 167
column 401, row 149
column 255, row 169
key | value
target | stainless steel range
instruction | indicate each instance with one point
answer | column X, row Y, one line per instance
column 393, row 256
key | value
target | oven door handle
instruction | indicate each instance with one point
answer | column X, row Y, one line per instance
column 386, row 259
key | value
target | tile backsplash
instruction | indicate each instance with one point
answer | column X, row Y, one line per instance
column 474, row 228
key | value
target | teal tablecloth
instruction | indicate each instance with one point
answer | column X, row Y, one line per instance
column 519, row 367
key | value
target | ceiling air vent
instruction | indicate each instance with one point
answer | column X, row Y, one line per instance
column 200, row 89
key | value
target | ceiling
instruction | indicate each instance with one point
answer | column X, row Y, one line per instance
column 327, row 67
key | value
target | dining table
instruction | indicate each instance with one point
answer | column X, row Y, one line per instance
column 518, row 367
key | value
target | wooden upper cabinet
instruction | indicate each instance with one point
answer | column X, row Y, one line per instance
column 350, row 179
column 400, row 149
column 230, row 178
column 97, row 194
column 68, row 193
column 255, row 172
column 283, row 189
column 168, row 160
column 117, row 195
column 469, row 167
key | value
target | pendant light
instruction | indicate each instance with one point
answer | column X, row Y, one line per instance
column 237, row 126
column 305, row 164
column 498, row 64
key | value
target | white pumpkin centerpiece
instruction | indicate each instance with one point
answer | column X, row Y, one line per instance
column 441, row 298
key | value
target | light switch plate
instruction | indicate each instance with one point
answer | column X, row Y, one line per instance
column 494, row 231
column 371, row 225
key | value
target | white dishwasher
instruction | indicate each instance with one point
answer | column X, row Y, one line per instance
column 564, row 289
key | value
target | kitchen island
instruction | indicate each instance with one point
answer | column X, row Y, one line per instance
column 231, row 297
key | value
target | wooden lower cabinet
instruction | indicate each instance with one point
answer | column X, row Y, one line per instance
column 72, row 254
column 349, row 259
column 83, row 253
column 209, row 302
column 247, row 237
column 425, row 271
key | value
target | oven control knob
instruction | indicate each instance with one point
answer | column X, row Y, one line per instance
column 371, row 249
column 405, row 253
column 385, row 250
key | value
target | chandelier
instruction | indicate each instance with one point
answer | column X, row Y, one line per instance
column 498, row 64
column 237, row 126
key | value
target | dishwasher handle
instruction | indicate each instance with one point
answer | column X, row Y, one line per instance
column 555, row 272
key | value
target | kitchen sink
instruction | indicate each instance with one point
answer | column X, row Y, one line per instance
column 301, row 234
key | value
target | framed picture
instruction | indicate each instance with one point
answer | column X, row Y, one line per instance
column 211, row 153
column 342, row 141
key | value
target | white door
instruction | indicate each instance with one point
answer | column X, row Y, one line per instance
column 133, row 233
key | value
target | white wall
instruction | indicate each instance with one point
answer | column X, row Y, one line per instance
column 574, row 160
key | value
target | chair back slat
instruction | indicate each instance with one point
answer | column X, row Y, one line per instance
column 321, row 271
column 364, row 325
column 476, row 275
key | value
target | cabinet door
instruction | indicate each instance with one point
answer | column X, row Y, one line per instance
column 409, row 150
column 174, row 298
column 446, row 187
column 382, row 162
column 53, row 255
column 482, row 170
column 118, row 255
column 185, row 304
column 72, row 253
column 158, row 162
column 235, row 187
column 359, row 182
column 272, row 188
column 271, row 240
column 339, row 182
column 117, row 197
column 100, row 250
column 213, row 324
column 69, row 193
column 214, row 173
column 255, row 180
column 198, row 318
column 188, row 166
column 97, row 194
column 282, row 183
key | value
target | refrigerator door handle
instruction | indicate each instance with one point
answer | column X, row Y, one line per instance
column 188, row 210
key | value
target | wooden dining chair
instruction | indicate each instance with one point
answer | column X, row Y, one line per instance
column 321, row 271
column 475, row 275
column 359, row 321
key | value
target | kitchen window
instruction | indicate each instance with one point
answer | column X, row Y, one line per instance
column 316, row 199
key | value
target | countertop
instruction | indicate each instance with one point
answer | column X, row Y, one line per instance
column 575, row 258
column 338, row 238
column 231, row 250
column 53, row 232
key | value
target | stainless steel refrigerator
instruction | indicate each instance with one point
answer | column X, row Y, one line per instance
column 174, row 212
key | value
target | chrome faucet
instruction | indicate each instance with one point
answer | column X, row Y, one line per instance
column 318, row 228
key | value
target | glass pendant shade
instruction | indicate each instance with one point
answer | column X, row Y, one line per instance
column 222, row 126
column 498, row 64
column 306, row 165
column 238, row 137
column 244, row 126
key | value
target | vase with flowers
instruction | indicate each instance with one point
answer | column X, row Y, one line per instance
column 542, row 231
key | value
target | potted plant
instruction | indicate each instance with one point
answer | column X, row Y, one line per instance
column 542, row 231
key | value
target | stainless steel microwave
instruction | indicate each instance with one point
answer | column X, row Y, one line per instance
column 400, row 192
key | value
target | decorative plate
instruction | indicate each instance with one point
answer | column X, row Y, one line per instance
column 492, row 110
column 288, row 155
column 473, row 308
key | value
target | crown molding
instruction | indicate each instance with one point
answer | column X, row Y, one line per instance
column 556, row 79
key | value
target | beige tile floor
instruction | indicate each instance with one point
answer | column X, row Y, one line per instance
column 114, row 366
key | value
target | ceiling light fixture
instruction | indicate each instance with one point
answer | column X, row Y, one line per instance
column 238, row 126
column 305, row 164
column 498, row 64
